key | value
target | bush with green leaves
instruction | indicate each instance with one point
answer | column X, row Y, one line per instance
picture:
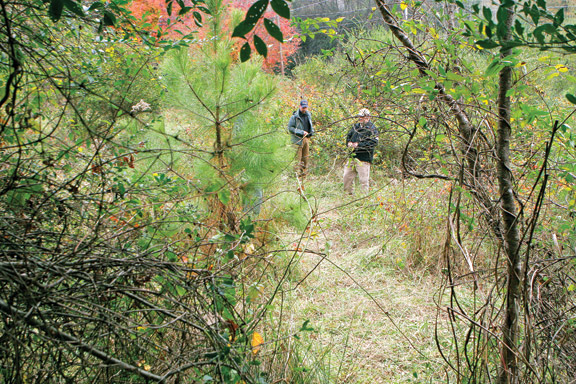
column 109, row 265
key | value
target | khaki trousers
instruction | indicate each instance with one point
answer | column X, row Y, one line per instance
column 302, row 154
column 354, row 168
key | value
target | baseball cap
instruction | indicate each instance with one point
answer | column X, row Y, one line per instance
column 364, row 112
column 304, row 103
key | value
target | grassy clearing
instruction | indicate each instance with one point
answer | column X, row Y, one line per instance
column 370, row 298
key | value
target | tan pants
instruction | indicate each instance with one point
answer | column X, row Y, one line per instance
column 356, row 167
column 302, row 154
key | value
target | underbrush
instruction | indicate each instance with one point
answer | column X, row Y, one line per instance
column 355, row 280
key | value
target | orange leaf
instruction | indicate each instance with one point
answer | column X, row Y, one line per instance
column 257, row 340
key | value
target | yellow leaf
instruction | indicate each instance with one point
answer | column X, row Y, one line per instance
column 249, row 248
column 403, row 5
column 257, row 340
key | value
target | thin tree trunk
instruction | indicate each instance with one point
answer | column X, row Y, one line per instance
column 509, row 373
column 467, row 130
column 465, row 127
column 510, row 236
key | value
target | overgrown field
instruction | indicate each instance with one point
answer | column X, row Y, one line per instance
column 152, row 229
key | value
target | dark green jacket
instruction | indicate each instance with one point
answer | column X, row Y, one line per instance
column 367, row 138
column 296, row 127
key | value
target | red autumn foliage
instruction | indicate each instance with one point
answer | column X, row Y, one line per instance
column 276, row 51
column 152, row 15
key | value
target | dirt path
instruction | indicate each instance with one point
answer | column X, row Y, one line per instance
column 373, row 322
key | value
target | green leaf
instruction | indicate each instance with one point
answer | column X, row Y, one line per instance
column 535, row 14
column 571, row 98
column 205, row 10
column 242, row 29
column 273, row 30
column 181, row 3
column 559, row 17
column 260, row 46
column 281, row 8
column 109, row 19
column 197, row 17
column 487, row 44
column 455, row 77
column 169, row 5
column 180, row 290
column 541, row 3
column 494, row 68
column 502, row 14
column 96, row 5
column 502, row 31
column 171, row 256
column 256, row 11
column 544, row 28
column 245, row 52
column 512, row 44
column 519, row 27
column 247, row 226
column 487, row 12
column 74, row 7
column 55, row 9
column 442, row 71
column 185, row 10
column 306, row 327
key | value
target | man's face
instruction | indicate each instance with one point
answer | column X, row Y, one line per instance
column 364, row 119
column 303, row 109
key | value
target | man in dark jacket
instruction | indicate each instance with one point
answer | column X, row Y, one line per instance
column 301, row 129
column 362, row 139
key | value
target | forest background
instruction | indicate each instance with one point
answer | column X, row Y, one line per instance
column 152, row 228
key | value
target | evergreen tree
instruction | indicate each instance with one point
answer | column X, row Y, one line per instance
column 226, row 102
